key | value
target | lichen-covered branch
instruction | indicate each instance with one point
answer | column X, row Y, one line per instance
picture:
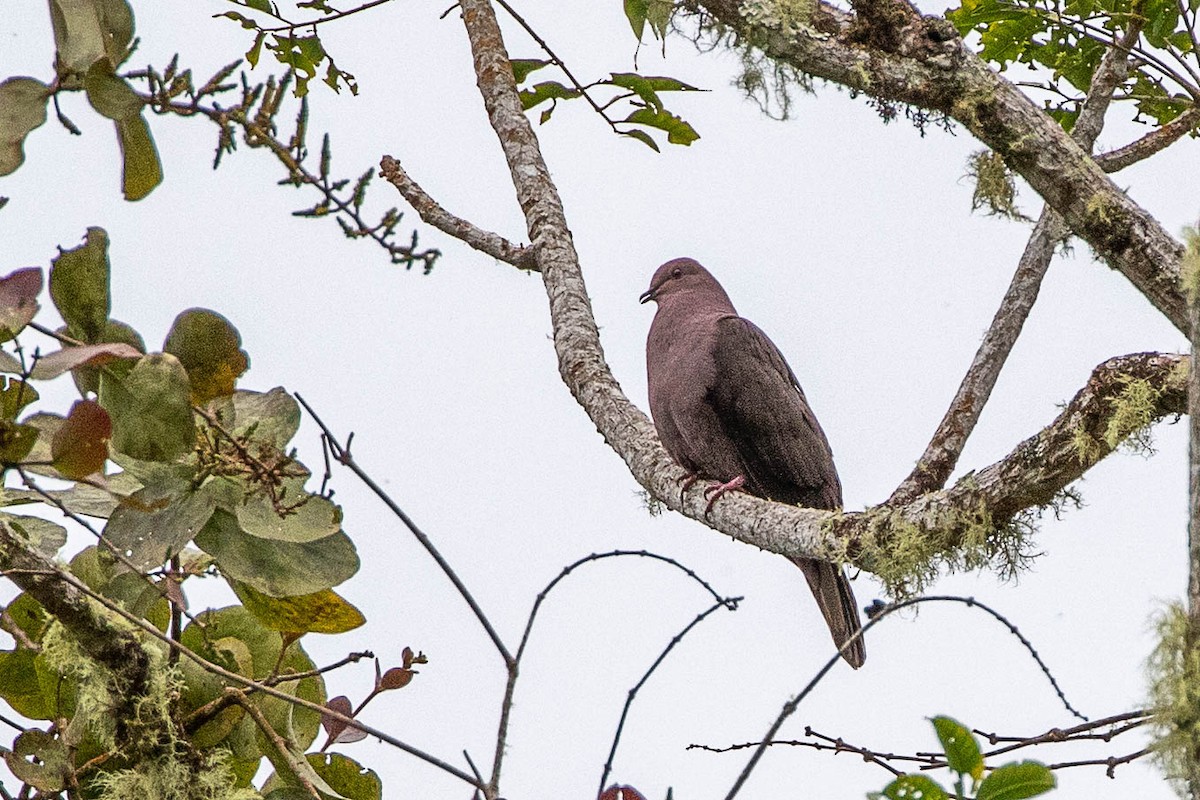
column 946, row 445
column 897, row 55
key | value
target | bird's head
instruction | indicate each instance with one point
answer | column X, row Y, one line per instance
column 685, row 277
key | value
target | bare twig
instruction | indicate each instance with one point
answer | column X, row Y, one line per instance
column 285, row 753
column 791, row 705
column 342, row 455
column 510, row 687
column 313, row 23
column 428, row 209
column 730, row 603
column 1153, row 142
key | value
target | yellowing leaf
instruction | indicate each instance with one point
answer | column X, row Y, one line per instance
column 320, row 612
column 209, row 347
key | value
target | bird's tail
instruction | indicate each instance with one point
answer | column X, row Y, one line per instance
column 831, row 587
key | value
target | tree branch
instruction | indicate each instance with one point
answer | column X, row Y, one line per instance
column 433, row 214
column 1153, row 142
column 940, row 457
column 924, row 63
column 977, row 507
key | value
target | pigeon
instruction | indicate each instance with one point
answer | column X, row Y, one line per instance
column 729, row 409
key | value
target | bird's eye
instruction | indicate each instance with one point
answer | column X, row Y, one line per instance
column 677, row 272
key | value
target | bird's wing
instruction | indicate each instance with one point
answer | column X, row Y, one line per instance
column 764, row 413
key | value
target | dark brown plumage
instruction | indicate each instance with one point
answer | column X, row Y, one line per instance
column 727, row 405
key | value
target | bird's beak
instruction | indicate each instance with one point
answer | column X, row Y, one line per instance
column 648, row 295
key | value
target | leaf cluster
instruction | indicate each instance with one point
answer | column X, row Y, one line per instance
column 1069, row 38
column 183, row 476
column 92, row 39
column 639, row 92
column 1014, row 781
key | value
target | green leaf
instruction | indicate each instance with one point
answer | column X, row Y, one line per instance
column 271, row 417
column 83, row 498
column 635, row 12
column 320, row 612
column 1016, row 781
column 19, row 684
column 255, row 51
column 279, row 569
column 10, row 364
column 88, row 30
column 18, row 297
column 111, row 95
column 235, row 639
column 521, row 67
column 678, row 131
column 22, row 109
column 48, row 770
column 647, row 86
column 295, row 517
column 644, row 138
column 541, row 92
column 346, row 776
column 80, row 445
column 157, row 522
column 16, row 441
column 913, row 787
column 658, row 14
column 259, row 5
column 93, row 355
column 141, row 169
column 30, row 617
column 151, row 409
column 209, row 347
column 14, row 396
column 87, row 378
column 79, row 286
column 961, row 748
column 42, row 535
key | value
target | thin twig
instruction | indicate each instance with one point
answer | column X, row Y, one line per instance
column 791, row 705
column 291, row 26
column 343, row 457
column 285, row 752
column 1112, row 762
column 510, row 685
column 558, row 62
column 676, row 639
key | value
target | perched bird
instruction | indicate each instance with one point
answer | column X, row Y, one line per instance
column 728, row 408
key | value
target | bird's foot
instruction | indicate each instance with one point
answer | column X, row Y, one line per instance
column 715, row 491
column 689, row 481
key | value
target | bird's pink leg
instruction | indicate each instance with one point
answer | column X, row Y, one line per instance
column 688, row 481
column 714, row 491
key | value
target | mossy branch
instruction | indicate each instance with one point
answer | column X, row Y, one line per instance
column 109, row 642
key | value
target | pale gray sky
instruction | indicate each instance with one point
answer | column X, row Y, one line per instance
column 850, row 242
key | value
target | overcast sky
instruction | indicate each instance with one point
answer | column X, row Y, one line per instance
column 849, row 241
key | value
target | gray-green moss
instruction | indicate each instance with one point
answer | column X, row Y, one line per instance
column 908, row 558
column 1173, row 672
